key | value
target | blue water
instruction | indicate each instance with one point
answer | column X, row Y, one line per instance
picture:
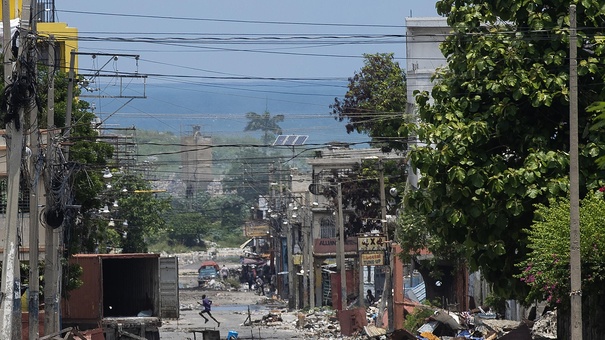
column 220, row 109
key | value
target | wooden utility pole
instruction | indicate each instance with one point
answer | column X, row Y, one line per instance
column 574, row 201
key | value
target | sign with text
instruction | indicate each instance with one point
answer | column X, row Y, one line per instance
column 329, row 245
column 372, row 259
column 372, row 243
column 261, row 230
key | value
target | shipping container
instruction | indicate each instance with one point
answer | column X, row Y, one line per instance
column 123, row 294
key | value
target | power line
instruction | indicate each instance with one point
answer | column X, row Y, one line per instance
column 226, row 20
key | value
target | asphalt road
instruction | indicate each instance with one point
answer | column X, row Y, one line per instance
column 231, row 310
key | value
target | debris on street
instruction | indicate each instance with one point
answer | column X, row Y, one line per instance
column 323, row 323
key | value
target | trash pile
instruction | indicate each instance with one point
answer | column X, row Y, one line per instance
column 214, row 284
column 443, row 325
column 545, row 327
column 324, row 323
column 319, row 323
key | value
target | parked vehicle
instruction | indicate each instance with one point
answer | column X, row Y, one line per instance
column 126, row 295
column 209, row 270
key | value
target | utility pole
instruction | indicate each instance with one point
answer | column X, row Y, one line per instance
column 7, row 287
column 387, row 297
column 341, row 251
column 288, row 226
column 574, row 201
column 310, row 263
column 10, row 320
column 70, row 97
column 36, row 187
column 51, row 236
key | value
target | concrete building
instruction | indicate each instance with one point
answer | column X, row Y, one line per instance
column 196, row 161
column 329, row 166
column 423, row 58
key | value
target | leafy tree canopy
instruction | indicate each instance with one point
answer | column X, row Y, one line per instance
column 143, row 211
column 375, row 101
column 205, row 217
column 266, row 123
column 546, row 268
column 361, row 193
column 498, row 127
column 250, row 177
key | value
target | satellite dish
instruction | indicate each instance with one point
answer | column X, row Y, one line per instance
column 316, row 189
column 54, row 218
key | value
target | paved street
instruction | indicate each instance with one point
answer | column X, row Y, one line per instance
column 231, row 310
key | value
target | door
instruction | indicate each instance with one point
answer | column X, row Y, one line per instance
column 169, row 288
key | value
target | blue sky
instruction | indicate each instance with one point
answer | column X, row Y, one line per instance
column 244, row 52
column 155, row 19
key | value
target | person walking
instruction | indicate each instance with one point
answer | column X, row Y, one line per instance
column 206, row 304
column 260, row 286
column 224, row 273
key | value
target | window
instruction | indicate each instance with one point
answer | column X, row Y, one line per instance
column 327, row 227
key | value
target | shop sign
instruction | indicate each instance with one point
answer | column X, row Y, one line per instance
column 372, row 259
column 330, row 245
column 372, row 243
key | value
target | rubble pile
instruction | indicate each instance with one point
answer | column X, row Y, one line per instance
column 214, row 285
column 319, row 323
column 444, row 325
column 545, row 327
column 313, row 324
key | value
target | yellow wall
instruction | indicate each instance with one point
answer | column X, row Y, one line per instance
column 66, row 38
column 15, row 6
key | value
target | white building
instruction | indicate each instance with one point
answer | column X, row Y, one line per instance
column 423, row 57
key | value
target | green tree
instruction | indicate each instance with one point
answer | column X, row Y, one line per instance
column 497, row 132
column 249, row 177
column 266, row 123
column 204, row 217
column 361, row 193
column 78, row 181
column 375, row 102
column 143, row 211
column 546, row 268
column 188, row 228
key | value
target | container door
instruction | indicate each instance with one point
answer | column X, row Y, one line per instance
column 169, row 288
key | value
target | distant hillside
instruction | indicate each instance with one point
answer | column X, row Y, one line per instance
column 220, row 109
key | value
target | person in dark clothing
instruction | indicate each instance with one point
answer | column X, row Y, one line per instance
column 370, row 297
column 260, row 286
column 206, row 304
column 250, row 281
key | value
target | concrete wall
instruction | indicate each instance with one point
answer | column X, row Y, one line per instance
column 423, row 57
